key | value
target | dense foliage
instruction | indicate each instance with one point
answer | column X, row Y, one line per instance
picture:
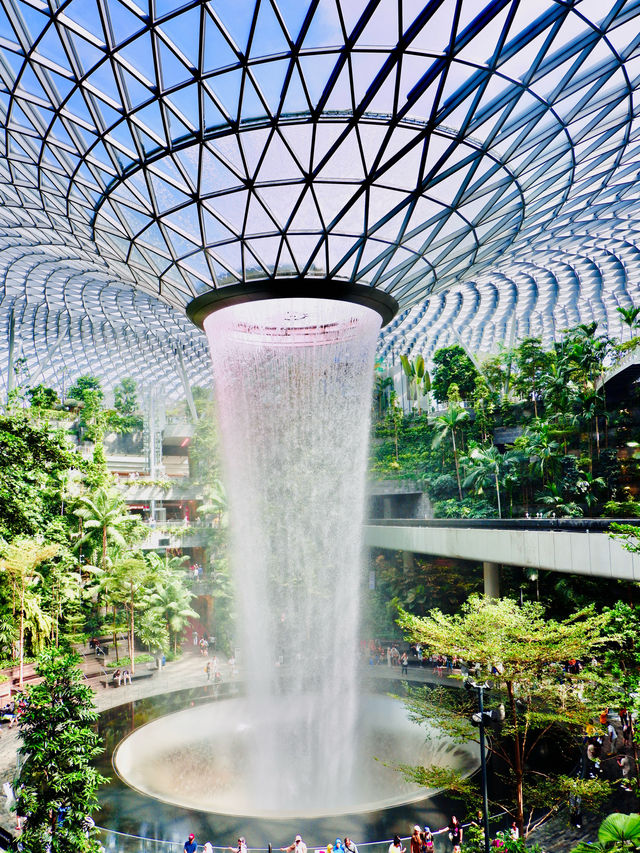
column 56, row 786
column 534, row 437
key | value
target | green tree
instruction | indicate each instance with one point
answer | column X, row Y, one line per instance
column 20, row 562
column 105, row 521
column 556, row 505
column 130, row 579
column 393, row 421
column 629, row 318
column 170, row 599
column 126, row 415
column 531, row 363
column 486, row 466
column 525, row 647
column 86, row 385
column 34, row 458
column 56, row 786
column 447, row 424
column 452, row 365
column 418, row 378
column 382, row 388
column 42, row 397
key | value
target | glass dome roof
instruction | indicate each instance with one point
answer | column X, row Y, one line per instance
column 476, row 159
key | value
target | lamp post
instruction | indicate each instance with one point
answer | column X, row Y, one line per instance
column 479, row 720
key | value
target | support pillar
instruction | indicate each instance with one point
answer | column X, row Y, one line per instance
column 12, row 336
column 491, row 579
column 407, row 561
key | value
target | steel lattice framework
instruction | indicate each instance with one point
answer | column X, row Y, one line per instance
column 477, row 160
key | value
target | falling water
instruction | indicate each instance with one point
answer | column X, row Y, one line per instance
column 293, row 380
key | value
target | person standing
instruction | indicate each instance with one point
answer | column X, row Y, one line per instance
column 190, row 844
column 427, row 841
column 242, row 846
column 455, row 832
column 416, row 841
column 396, row 845
column 298, row 846
column 404, row 660
column 350, row 846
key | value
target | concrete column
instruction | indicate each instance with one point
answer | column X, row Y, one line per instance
column 491, row 579
column 407, row 561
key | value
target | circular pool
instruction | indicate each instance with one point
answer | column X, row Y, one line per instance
column 199, row 758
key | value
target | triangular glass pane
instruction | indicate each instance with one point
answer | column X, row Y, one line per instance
column 217, row 51
column 270, row 77
column 286, row 264
column 139, row 55
column 185, row 221
column 278, row 164
column 307, row 217
column 215, row 231
column 258, row 221
column 268, row 37
column 251, row 107
column 215, row 175
column 125, row 23
column 346, row 161
column 226, row 88
column 230, row 208
column 295, row 100
column 212, row 116
column 167, row 196
column 229, row 255
column 172, row 70
column 254, row 143
column 183, row 31
column 236, row 17
column 259, row 257
column 325, row 29
column 316, row 70
column 280, row 201
column 185, row 101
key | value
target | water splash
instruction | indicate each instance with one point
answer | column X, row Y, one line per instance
column 293, row 381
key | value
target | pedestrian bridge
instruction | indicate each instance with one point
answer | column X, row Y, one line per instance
column 577, row 546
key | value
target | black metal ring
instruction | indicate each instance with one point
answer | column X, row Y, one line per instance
column 318, row 288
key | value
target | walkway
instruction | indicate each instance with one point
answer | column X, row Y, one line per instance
column 577, row 546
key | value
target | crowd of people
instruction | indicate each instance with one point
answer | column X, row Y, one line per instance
column 421, row 841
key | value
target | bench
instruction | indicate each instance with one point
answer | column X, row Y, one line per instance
column 107, row 678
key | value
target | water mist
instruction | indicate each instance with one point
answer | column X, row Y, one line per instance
column 293, row 384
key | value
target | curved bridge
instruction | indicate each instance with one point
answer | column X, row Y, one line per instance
column 576, row 546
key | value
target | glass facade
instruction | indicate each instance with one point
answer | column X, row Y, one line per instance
column 477, row 160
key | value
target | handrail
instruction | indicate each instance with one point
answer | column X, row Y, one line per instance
column 558, row 525
column 122, row 842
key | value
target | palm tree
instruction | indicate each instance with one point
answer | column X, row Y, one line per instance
column 447, row 424
column 171, row 600
column 105, row 519
column 588, row 485
column 556, row 504
column 20, row 562
column 381, row 392
column 418, row 378
column 486, row 467
column 618, row 833
column 629, row 317
column 129, row 579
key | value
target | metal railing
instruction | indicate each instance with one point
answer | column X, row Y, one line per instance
column 120, row 842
